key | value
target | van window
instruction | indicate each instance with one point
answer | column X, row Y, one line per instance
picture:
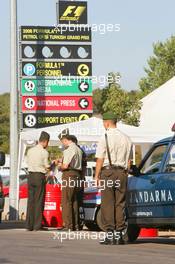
column 170, row 163
column 154, row 160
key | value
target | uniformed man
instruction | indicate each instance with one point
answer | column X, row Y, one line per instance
column 84, row 156
column 112, row 155
column 80, row 194
column 71, row 167
column 38, row 165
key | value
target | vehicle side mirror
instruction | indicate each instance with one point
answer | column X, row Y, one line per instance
column 2, row 158
column 134, row 170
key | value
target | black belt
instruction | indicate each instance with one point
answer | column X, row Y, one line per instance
column 114, row 167
column 72, row 170
column 34, row 172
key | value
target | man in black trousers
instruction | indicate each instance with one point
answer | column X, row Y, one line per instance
column 113, row 154
column 38, row 165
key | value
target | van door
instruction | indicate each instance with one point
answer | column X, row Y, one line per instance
column 142, row 195
column 165, row 186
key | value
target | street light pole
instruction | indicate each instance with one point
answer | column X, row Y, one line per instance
column 13, row 194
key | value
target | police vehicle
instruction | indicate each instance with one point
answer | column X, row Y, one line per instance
column 150, row 196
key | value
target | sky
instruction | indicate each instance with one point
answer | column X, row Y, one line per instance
column 142, row 23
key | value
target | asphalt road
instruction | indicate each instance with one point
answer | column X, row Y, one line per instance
column 19, row 246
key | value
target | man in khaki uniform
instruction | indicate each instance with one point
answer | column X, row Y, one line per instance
column 112, row 155
column 38, row 165
column 71, row 167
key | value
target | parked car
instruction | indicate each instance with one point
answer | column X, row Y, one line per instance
column 1, row 198
column 23, row 188
column 2, row 162
column 90, row 171
column 150, row 196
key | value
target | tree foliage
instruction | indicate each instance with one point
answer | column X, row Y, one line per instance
column 124, row 104
column 113, row 98
column 4, row 122
column 99, row 98
column 161, row 66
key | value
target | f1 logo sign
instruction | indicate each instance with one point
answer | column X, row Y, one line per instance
column 74, row 12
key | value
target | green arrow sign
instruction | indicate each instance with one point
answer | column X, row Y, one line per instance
column 56, row 87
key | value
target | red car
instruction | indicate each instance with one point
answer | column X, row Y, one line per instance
column 23, row 187
column 1, row 198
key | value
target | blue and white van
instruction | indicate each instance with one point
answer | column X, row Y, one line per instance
column 150, row 196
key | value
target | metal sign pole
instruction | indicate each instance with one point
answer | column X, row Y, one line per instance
column 13, row 195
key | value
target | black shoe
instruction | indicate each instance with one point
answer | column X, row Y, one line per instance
column 118, row 238
column 29, row 229
column 109, row 239
column 76, row 228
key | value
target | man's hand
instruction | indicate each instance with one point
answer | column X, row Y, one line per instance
column 97, row 181
column 99, row 165
column 63, row 166
column 57, row 162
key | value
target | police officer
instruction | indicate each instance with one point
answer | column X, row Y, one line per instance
column 84, row 166
column 71, row 167
column 38, row 165
column 112, row 155
column 82, row 182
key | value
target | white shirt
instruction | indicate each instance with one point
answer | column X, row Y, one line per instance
column 119, row 147
column 37, row 159
column 73, row 156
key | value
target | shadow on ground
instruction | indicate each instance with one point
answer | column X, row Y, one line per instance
column 159, row 240
column 12, row 225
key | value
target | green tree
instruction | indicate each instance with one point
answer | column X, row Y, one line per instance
column 100, row 95
column 125, row 104
column 4, row 122
column 161, row 66
column 99, row 98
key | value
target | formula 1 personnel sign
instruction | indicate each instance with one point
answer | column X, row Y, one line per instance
column 56, row 68
column 74, row 12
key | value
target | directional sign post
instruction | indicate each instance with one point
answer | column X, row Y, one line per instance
column 56, row 70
